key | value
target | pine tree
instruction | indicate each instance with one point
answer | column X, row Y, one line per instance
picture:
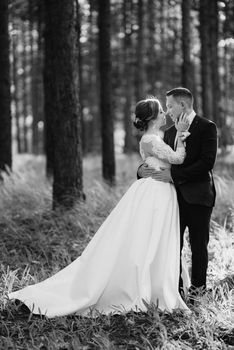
column 63, row 106
column 5, row 96
column 108, row 156
column 206, row 74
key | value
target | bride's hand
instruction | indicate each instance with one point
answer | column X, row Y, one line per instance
column 182, row 124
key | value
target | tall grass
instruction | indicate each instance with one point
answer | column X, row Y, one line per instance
column 37, row 242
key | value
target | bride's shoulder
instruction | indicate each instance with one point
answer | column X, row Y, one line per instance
column 151, row 138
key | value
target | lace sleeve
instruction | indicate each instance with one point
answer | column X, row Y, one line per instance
column 142, row 152
column 155, row 146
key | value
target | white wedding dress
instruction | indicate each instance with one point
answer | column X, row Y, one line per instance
column 134, row 255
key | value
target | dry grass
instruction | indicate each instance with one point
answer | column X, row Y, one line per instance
column 36, row 242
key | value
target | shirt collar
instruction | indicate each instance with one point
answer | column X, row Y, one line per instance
column 191, row 116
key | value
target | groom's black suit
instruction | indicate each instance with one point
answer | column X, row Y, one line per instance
column 195, row 191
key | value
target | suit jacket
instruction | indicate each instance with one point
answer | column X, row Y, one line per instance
column 194, row 179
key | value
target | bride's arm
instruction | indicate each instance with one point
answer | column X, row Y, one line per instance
column 144, row 170
column 161, row 150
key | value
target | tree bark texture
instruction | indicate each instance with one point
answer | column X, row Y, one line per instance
column 139, row 82
column 214, row 37
column 61, row 102
column 206, row 79
column 93, row 127
column 25, row 87
column 15, row 81
column 151, row 54
column 128, row 140
column 34, row 72
column 5, row 95
column 80, row 67
column 108, row 156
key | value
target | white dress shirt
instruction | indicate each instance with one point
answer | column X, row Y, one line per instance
column 191, row 116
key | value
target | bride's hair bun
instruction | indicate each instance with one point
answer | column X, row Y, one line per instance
column 140, row 124
column 145, row 111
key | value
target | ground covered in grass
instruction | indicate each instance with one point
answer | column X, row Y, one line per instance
column 36, row 242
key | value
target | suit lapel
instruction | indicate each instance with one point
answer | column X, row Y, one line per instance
column 171, row 137
column 191, row 141
column 193, row 125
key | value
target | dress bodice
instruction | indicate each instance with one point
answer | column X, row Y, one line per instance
column 156, row 153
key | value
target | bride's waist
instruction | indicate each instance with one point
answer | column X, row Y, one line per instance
column 156, row 163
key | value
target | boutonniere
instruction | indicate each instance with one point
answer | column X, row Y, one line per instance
column 185, row 135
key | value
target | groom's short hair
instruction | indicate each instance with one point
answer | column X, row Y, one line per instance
column 181, row 92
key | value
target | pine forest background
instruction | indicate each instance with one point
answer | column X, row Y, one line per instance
column 77, row 69
column 71, row 72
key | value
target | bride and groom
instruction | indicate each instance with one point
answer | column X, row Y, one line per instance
column 134, row 257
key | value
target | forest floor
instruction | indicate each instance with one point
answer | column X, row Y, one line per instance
column 36, row 242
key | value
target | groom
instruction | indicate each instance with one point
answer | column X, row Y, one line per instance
column 193, row 181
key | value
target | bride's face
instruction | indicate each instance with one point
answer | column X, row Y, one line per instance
column 161, row 118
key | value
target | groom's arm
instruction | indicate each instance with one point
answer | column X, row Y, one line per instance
column 144, row 170
column 139, row 172
column 161, row 175
column 205, row 162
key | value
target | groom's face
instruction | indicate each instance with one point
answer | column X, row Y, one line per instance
column 174, row 107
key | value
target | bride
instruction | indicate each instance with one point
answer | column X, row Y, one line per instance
column 134, row 257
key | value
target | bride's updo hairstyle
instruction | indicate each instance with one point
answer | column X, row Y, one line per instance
column 145, row 111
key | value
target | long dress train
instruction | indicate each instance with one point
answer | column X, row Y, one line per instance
column 134, row 256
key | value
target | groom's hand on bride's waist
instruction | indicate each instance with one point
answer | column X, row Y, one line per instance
column 163, row 175
column 145, row 171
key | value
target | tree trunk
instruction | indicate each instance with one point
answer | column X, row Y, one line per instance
column 213, row 8
column 15, row 94
column 94, row 123
column 187, row 69
column 80, row 67
column 140, row 94
column 34, row 88
column 25, row 87
column 152, row 56
column 128, row 140
column 5, row 96
column 163, row 44
column 49, row 100
column 207, row 104
column 62, row 110
column 39, row 77
column 108, row 155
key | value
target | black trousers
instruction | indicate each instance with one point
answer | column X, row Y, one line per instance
column 197, row 219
